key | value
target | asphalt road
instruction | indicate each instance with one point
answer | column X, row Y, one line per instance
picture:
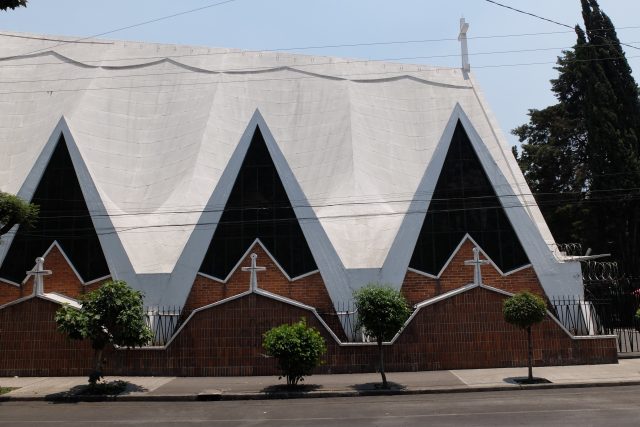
column 615, row 406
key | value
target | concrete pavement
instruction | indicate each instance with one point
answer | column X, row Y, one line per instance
column 627, row 372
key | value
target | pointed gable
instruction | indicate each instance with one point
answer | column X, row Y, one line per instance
column 258, row 207
column 464, row 202
column 64, row 218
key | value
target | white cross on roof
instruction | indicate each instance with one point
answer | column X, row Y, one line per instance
column 253, row 282
column 39, row 272
column 477, row 263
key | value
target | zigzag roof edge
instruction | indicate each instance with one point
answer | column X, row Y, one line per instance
column 156, row 141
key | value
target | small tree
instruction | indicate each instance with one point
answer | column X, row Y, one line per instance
column 524, row 310
column 12, row 4
column 297, row 347
column 382, row 311
column 112, row 314
column 14, row 210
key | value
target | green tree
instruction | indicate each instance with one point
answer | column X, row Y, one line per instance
column 112, row 314
column 297, row 347
column 382, row 311
column 612, row 121
column 525, row 310
column 581, row 155
column 12, row 4
column 14, row 210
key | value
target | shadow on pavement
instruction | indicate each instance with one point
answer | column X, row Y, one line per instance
column 100, row 392
column 525, row 380
column 283, row 388
column 378, row 386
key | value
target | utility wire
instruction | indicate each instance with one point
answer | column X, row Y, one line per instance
column 547, row 19
column 529, row 13
column 593, row 196
column 247, row 70
column 285, row 49
column 151, row 21
column 344, row 77
column 393, row 198
column 202, row 225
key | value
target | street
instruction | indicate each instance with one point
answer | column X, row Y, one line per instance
column 597, row 406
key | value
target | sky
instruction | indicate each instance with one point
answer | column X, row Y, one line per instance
column 512, row 55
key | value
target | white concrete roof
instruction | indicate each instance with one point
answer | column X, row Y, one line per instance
column 156, row 125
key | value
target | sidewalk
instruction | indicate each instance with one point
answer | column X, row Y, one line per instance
column 627, row 372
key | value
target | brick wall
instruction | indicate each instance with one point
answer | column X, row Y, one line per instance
column 417, row 287
column 309, row 290
column 63, row 280
column 9, row 292
column 464, row 331
column 30, row 345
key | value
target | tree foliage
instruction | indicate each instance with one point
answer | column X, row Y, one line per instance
column 297, row 347
column 581, row 155
column 112, row 314
column 382, row 311
column 12, row 4
column 14, row 210
column 524, row 310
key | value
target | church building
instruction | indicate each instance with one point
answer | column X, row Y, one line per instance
column 249, row 189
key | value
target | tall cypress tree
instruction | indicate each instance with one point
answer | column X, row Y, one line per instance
column 588, row 145
column 612, row 121
column 553, row 153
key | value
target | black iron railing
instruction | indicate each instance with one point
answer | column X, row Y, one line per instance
column 164, row 322
column 347, row 315
column 613, row 315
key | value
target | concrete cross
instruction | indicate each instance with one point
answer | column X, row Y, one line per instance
column 253, row 282
column 462, row 37
column 39, row 272
column 477, row 262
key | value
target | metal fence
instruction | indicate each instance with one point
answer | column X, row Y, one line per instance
column 164, row 322
column 347, row 315
column 614, row 315
column 604, row 311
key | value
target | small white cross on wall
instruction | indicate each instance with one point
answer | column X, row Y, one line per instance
column 39, row 272
column 477, row 263
column 253, row 281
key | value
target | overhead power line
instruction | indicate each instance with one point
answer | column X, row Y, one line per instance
column 249, row 69
column 291, row 48
column 593, row 196
column 139, row 24
column 77, row 232
column 544, row 19
column 358, row 77
column 529, row 13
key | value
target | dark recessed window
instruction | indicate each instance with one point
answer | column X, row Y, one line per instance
column 258, row 207
column 464, row 201
column 64, row 217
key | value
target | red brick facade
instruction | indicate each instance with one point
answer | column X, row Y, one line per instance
column 63, row 280
column 464, row 331
column 30, row 345
column 417, row 287
column 309, row 290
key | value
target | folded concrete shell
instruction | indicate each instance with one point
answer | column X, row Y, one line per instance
column 158, row 135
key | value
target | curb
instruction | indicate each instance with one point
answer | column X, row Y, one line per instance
column 231, row 396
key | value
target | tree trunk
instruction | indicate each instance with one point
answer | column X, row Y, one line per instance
column 384, row 377
column 97, row 372
column 530, row 339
